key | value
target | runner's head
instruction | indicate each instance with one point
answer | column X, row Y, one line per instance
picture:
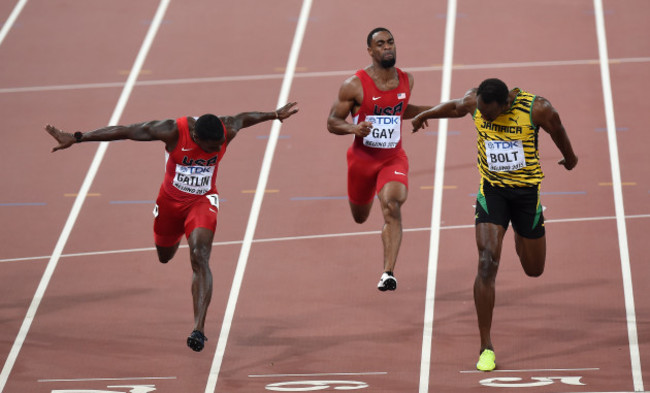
column 209, row 133
column 381, row 47
column 492, row 98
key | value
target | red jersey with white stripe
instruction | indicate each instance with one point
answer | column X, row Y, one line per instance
column 190, row 172
column 384, row 109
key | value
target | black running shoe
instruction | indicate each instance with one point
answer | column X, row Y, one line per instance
column 196, row 340
column 387, row 282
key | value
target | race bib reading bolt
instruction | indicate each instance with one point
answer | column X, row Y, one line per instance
column 505, row 156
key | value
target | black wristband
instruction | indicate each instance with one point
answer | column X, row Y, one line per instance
column 77, row 136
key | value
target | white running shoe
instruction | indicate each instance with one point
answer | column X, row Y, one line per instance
column 388, row 282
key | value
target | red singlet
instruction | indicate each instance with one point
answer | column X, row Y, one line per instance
column 378, row 158
column 188, row 196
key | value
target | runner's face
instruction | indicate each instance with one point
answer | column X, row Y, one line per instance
column 382, row 49
column 490, row 111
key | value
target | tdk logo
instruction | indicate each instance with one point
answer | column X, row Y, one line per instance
column 502, row 144
column 381, row 120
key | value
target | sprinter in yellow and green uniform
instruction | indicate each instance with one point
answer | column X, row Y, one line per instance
column 507, row 124
column 507, row 145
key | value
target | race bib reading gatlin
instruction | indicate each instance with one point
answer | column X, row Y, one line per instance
column 193, row 179
column 385, row 132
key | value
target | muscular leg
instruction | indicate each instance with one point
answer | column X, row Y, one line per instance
column 489, row 240
column 392, row 195
column 532, row 254
column 165, row 254
column 200, row 242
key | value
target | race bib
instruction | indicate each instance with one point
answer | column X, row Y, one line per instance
column 385, row 132
column 195, row 180
column 505, row 156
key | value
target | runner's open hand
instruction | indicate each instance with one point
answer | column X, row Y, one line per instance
column 419, row 123
column 286, row 111
column 65, row 139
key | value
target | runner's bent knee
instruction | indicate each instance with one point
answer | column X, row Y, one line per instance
column 532, row 254
column 533, row 267
column 165, row 254
column 360, row 213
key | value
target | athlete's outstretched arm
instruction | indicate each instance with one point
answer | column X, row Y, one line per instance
column 157, row 130
column 545, row 116
column 246, row 119
column 458, row 107
column 414, row 110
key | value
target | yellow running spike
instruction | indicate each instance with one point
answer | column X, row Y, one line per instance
column 486, row 361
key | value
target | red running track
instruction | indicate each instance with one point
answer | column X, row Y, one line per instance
column 112, row 319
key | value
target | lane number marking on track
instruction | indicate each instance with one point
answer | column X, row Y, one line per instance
column 308, row 386
column 516, row 382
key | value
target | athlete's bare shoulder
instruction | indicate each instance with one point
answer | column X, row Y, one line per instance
column 351, row 83
column 351, row 91
column 543, row 113
column 469, row 100
column 542, row 104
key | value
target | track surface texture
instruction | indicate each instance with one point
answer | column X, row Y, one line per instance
column 85, row 307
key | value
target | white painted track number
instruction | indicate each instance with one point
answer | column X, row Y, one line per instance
column 309, row 386
column 516, row 382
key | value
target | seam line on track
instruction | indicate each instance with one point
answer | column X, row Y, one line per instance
column 257, row 201
column 635, row 357
column 306, row 237
column 79, row 200
column 314, row 74
column 438, row 182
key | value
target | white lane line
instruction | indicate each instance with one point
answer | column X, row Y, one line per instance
column 628, row 291
column 438, row 182
column 104, row 379
column 78, row 203
column 306, row 237
column 38, row 89
column 316, row 374
column 532, row 370
column 315, row 74
column 257, row 201
column 9, row 23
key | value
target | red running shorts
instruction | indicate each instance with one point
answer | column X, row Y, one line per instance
column 174, row 218
column 368, row 175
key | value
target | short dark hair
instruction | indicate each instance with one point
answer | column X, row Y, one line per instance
column 493, row 89
column 209, row 128
column 376, row 30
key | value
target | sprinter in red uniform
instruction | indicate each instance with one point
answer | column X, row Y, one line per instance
column 188, row 201
column 377, row 99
